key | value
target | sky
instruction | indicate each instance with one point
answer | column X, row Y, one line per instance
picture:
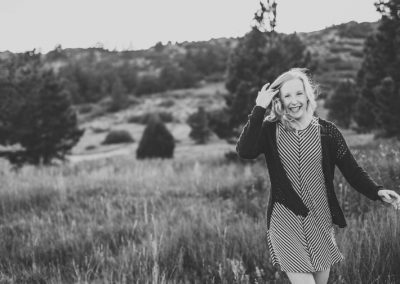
column 139, row 24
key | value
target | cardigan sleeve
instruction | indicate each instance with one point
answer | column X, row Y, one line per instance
column 251, row 142
column 355, row 175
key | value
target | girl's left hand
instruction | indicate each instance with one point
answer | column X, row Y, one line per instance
column 390, row 196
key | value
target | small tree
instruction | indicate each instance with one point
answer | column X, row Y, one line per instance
column 219, row 122
column 341, row 103
column 198, row 121
column 156, row 141
column 119, row 97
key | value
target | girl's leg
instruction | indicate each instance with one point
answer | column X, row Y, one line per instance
column 300, row 278
column 321, row 277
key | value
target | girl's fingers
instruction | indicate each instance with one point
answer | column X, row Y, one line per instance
column 389, row 194
column 392, row 197
column 387, row 198
column 394, row 194
column 265, row 87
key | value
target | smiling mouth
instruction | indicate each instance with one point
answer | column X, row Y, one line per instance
column 295, row 109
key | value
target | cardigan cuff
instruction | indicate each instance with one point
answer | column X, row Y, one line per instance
column 257, row 111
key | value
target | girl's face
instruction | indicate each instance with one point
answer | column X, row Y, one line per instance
column 294, row 98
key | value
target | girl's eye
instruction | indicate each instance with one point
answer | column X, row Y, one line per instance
column 299, row 94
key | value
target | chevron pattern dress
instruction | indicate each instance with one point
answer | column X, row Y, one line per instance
column 296, row 243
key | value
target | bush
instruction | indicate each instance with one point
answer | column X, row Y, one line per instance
column 90, row 147
column 166, row 116
column 157, row 141
column 199, row 124
column 218, row 121
column 118, row 136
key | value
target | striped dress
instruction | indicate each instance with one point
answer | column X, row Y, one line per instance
column 296, row 243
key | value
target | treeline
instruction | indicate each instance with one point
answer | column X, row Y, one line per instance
column 90, row 74
column 355, row 30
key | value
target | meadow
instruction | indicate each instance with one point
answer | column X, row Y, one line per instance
column 192, row 220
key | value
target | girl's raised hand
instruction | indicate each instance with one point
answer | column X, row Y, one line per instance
column 265, row 96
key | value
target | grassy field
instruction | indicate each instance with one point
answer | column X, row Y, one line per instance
column 194, row 219
column 198, row 218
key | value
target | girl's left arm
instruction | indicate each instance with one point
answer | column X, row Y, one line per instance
column 355, row 175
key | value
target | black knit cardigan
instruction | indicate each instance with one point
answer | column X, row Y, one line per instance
column 259, row 136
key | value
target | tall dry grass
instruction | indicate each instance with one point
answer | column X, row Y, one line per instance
column 195, row 221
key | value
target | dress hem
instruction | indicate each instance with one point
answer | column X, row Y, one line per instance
column 277, row 266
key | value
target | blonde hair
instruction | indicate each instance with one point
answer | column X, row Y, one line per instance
column 310, row 89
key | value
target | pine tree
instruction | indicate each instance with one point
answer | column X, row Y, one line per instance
column 119, row 97
column 259, row 58
column 156, row 141
column 198, row 122
column 382, row 60
column 41, row 119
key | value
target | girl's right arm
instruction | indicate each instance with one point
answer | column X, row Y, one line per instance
column 252, row 139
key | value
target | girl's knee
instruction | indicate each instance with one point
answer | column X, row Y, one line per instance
column 321, row 277
column 300, row 278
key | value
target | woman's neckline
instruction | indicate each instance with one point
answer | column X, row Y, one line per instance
column 308, row 125
column 305, row 128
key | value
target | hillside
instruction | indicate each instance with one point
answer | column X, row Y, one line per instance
column 197, row 69
column 338, row 51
